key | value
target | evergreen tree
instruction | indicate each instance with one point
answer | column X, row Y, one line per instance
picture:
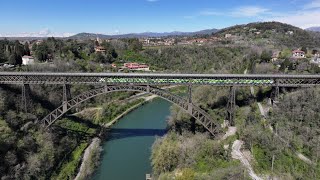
column 266, row 56
column 304, row 49
column 2, row 56
column 26, row 49
column 12, row 59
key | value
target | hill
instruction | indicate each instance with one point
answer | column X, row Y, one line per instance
column 315, row 29
column 270, row 33
column 143, row 35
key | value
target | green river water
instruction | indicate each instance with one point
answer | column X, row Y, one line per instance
column 126, row 152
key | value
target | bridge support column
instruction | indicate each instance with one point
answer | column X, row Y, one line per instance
column 25, row 97
column 193, row 125
column 148, row 88
column 190, row 99
column 106, row 88
column 66, row 96
column 193, row 120
column 275, row 93
column 231, row 105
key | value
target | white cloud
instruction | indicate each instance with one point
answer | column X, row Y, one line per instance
column 208, row 12
column 42, row 33
column 249, row 11
column 302, row 19
column 152, row 0
column 312, row 5
column 244, row 11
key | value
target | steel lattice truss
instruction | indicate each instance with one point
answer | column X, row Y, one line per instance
column 161, row 79
column 200, row 115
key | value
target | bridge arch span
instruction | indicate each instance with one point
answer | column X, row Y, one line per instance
column 200, row 115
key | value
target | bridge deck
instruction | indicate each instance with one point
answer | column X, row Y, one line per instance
column 161, row 79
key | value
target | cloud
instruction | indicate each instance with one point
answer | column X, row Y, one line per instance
column 42, row 33
column 239, row 12
column 209, row 12
column 312, row 5
column 152, row 0
column 249, row 11
column 302, row 19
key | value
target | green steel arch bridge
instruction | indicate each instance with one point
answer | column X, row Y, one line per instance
column 151, row 83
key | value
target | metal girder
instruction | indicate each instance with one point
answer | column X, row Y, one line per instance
column 161, row 79
column 200, row 115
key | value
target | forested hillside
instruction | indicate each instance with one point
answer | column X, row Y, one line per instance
column 295, row 129
column 272, row 34
column 30, row 151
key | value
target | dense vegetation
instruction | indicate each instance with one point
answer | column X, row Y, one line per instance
column 191, row 156
column 295, row 130
column 29, row 151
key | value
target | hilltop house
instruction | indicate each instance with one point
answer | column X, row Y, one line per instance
column 228, row 35
column 100, row 49
column 298, row 54
column 27, row 60
column 136, row 66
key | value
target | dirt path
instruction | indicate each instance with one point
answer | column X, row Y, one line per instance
column 231, row 131
column 237, row 154
column 84, row 168
column 261, row 110
column 299, row 155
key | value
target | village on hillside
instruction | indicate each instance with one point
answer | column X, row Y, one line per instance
column 260, row 39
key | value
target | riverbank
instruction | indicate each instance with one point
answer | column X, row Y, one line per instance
column 87, row 167
column 90, row 160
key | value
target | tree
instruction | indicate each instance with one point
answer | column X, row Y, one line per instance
column 99, row 58
column 135, row 45
column 96, row 43
column 26, row 49
column 304, row 49
column 266, row 56
column 19, row 48
column 18, row 60
column 12, row 59
column 2, row 56
column 286, row 53
column 314, row 51
column 42, row 52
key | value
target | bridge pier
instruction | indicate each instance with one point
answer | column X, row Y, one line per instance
column 189, row 99
column 275, row 95
column 231, row 105
column 66, row 96
column 25, row 97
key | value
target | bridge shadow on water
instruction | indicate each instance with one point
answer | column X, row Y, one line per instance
column 118, row 133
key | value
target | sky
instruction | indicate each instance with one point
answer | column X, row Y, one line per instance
column 45, row 18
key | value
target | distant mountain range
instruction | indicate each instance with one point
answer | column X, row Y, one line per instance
column 316, row 29
column 143, row 35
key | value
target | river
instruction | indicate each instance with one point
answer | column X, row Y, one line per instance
column 126, row 152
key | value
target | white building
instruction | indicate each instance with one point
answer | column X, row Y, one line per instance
column 27, row 60
column 228, row 35
column 298, row 54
